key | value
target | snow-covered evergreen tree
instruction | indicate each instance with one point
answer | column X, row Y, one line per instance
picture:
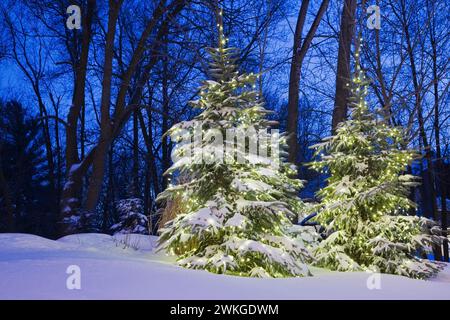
column 365, row 204
column 235, row 217
column 131, row 217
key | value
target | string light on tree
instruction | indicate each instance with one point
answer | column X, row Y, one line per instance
column 231, row 221
column 367, row 191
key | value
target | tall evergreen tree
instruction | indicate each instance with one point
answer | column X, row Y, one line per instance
column 365, row 204
column 235, row 215
column 24, row 187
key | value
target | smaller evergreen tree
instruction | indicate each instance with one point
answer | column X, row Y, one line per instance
column 131, row 217
column 365, row 204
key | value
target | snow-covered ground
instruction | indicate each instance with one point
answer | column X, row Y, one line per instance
column 123, row 267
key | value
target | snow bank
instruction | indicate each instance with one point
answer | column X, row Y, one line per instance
column 126, row 267
column 95, row 241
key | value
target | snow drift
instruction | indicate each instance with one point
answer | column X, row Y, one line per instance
column 126, row 267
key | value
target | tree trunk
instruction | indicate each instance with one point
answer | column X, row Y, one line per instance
column 422, row 133
column 148, row 139
column 56, row 103
column 299, row 52
column 165, row 110
column 294, row 84
column 79, row 90
column 147, row 195
column 135, row 170
column 437, row 134
column 70, row 196
column 47, row 139
column 109, row 205
column 343, row 64
column 98, row 165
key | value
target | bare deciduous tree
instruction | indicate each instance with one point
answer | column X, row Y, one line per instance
column 300, row 48
column 346, row 33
